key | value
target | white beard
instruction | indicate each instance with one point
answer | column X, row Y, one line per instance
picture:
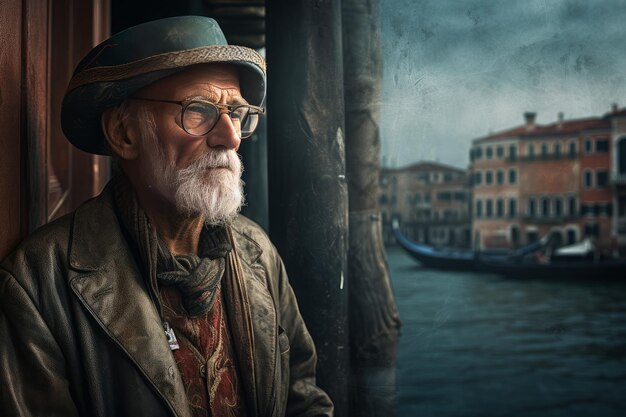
column 210, row 186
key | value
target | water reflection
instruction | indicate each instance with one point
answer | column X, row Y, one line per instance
column 484, row 345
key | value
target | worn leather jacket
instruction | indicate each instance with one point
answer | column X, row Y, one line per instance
column 80, row 333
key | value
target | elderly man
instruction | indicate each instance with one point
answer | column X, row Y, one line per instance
column 156, row 298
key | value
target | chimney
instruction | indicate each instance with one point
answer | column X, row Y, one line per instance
column 560, row 124
column 530, row 120
column 614, row 108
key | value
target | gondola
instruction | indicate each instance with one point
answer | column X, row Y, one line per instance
column 571, row 262
column 449, row 259
column 592, row 270
column 579, row 261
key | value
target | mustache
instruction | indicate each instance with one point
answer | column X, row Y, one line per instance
column 216, row 159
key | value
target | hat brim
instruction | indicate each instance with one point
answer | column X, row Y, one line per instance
column 93, row 91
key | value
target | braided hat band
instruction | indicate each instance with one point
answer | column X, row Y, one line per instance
column 168, row 60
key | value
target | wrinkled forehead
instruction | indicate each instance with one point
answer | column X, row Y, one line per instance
column 205, row 80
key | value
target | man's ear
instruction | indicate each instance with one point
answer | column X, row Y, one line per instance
column 122, row 139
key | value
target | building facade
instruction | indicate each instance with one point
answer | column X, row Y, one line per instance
column 431, row 201
column 534, row 180
column 496, row 194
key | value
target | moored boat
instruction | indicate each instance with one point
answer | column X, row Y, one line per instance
column 570, row 262
column 578, row 261
column 450, row 259
column 594, row 269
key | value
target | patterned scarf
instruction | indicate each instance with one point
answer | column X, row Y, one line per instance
column 197, row 277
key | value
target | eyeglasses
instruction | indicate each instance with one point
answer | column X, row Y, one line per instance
column 198, row 116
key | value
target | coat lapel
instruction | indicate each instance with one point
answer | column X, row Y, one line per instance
column 253, row 322
column 109, row 284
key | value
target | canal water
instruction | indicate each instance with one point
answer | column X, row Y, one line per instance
column 483, row 345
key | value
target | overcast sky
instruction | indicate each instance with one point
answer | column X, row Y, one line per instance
column 455, row 70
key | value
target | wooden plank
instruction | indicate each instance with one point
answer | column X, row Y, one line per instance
column 11, row 114
column 91, row 26
column 82, row 40
column 36, row 107
column 59, row 150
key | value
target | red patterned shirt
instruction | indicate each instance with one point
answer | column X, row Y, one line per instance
column 206, row 358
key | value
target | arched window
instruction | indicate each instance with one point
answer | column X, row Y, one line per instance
column 500, row 208
column 512, row 207
column 532, row 207
column 479, row 208
column 572, row 149
column 545, row 207
column 572, row 236
column 572, row 207
column 558, row 206
column 489, row 208
column 602, row 178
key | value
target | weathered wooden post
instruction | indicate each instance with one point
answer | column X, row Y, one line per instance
column 308, row 198
column 374, row 320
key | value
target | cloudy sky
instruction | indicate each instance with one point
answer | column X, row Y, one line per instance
column 455, row 70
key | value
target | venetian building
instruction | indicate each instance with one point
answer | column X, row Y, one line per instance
column 431, row 201
column 533, row 180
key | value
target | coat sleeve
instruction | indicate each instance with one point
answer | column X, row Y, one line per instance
column 305, row 398
column 33, row 378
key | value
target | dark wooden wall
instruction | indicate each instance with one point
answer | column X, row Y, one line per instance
column 12, row 178
column 42, row 176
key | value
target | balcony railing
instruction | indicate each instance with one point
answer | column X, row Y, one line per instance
column 549, row 219
column 550, row 156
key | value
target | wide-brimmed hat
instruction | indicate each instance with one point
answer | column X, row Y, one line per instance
column 141, row 55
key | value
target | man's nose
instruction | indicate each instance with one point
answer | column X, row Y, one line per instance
column 225, row 134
